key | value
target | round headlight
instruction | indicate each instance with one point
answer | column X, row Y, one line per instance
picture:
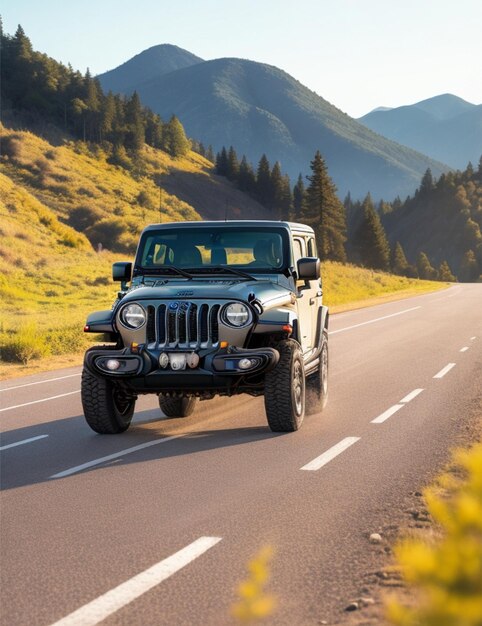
column 236, row 314
column 133, row 316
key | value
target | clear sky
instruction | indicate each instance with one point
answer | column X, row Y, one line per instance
column 357, row 54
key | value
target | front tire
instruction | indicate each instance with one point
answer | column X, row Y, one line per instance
column 107, row 410
column 317, row 384
column 284, row 394
column 177, row 407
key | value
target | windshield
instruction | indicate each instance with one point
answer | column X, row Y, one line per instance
column 198, row 249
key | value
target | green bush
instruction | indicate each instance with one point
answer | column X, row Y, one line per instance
column 446, row 574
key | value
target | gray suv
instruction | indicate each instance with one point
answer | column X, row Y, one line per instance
column 213, row 308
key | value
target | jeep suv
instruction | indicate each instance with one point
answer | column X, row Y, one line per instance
column 213, row 308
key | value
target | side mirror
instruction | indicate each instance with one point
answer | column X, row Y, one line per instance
column 309, row 268
column 122, row 271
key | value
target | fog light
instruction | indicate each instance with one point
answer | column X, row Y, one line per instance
column 177, row 360
column 192, row 360
column 164, row 360
column 245, row 364
column 112, row 365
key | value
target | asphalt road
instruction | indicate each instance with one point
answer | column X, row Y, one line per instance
column 145, row 529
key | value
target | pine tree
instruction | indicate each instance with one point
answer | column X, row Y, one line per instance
column 277, row 190
column 107, row 116
column 424, row 267
column 246, row 177
column 210, row 154
column 232, row 168
column 135, row 135
column 298, row 197
column 154, row 130
column 222, row 162
column 371, row 240
column 324, row 212
column 469, row 268
column 174, row 138
column 263, row 181
column 286, row 199
column 445, row 273
column 427, row 183
column 399, row 260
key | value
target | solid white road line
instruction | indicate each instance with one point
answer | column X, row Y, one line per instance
column 444, row 371
column 413, row 394
column 378, row 319
column 464, row 349
column 115, row 455
column 330, row 454
column 110, row 602
column 20, row 443
column 40, row 382
column 19, row 406
column 388, row 413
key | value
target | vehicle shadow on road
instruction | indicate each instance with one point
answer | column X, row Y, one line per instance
column 70, row 443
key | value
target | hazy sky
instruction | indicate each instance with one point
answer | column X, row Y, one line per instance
column 357, row 54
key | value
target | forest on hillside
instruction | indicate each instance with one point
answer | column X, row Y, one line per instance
column 37, row 90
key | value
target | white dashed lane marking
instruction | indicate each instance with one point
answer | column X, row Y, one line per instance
column 330, row 454
column 464, row 349
column 388, row 413
column 444, row 370
column 113, row 600
column 413, row 394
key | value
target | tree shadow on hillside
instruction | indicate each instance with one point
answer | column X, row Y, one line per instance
column 214, row 197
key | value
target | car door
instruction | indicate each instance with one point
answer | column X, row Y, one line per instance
column 305, row 298
column 316, row 290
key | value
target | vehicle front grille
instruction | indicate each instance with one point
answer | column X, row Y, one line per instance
column 183, row 324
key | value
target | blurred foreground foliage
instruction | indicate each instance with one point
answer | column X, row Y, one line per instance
column 253, row 602
column 446, row 574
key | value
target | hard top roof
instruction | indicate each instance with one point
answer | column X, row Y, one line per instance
column 293, row 226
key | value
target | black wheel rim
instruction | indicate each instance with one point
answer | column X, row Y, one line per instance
column 121, row 402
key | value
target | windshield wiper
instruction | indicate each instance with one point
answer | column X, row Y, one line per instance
column 163, row 268
column 225, row 268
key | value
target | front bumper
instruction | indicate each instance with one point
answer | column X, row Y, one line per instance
column 218, row 369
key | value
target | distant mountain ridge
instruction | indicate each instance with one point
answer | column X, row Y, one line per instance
column 149, row 64
column 259, row 109
column 445, row 127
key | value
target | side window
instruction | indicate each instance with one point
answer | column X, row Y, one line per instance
column 298, row 249
column 312, row 251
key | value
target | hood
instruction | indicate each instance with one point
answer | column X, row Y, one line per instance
column 263, row 290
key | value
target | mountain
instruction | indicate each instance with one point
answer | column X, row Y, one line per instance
column 446, row 128
column 147, row 65
column 259, row 109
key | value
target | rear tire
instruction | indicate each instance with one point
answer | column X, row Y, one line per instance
column 317, row 384
column 107, row 410
column 284, row 393
column 177, row 407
